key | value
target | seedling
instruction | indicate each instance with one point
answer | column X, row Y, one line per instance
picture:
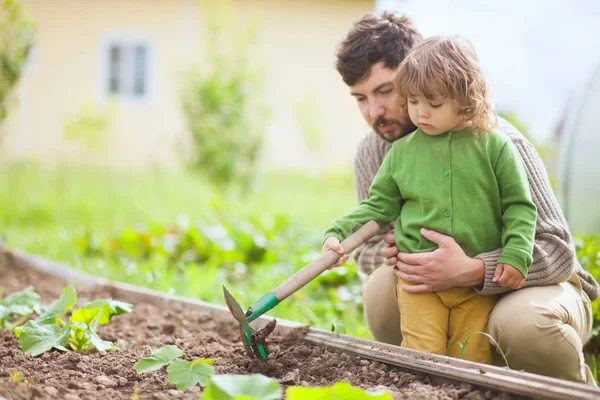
column 78, row 334
column 184, row 374
column 338, row 329
column 339, row 391
column 136, row 392
column 463, row 346
column 233, row 387
column 259, row 387
column 17, row 377
column 21, row 304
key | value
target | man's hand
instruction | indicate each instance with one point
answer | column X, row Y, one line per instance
column 446, row 267
column 334, row 244
column 508, row 276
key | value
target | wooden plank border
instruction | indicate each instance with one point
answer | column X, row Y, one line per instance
column 497, row 378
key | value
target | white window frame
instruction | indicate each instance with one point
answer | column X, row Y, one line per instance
column 127, row 41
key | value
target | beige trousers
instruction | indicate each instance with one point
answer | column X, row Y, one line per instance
column 540, row 329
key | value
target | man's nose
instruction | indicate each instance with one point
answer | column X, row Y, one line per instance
column 376, row 110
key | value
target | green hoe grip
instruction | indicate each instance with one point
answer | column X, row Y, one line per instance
column 310, row 272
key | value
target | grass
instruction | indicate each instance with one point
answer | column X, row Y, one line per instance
column 69, row 197
column 46, row 209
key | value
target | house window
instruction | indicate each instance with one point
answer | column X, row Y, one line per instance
column 127, row 67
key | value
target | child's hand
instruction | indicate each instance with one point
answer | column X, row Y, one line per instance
column 334, row 244
column 508, row 276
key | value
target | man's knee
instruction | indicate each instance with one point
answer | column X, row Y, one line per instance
column 381, row 306
column 537, row 338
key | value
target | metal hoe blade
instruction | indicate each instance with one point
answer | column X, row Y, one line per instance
column 248, row 336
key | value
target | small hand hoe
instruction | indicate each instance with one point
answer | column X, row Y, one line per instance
column 255, row 342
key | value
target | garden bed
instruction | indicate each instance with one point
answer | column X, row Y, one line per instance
column 111, row 375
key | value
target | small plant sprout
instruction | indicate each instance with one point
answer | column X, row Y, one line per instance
column 79, row 334
column 259, row 387
column 338, row 329
column 16, row 377
column 21, row 305
column 184, row 374
column 247, row 387
column 339, row 391
column 136, row 392
column 158, row 359
column 463, row 346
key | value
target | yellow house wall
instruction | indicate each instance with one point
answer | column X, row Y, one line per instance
column 297, row 38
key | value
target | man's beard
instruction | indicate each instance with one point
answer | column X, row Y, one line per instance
column 394, row 134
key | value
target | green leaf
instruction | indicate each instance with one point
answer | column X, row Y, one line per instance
column 188, row 374
column 103, row 309
column 338, row 328
column 158, row 359
column 60, row 306
column 36, row 339
column 18, row 330
column 101, row 345
column 339, row 391
column 4, row 313
column 23, row 302
column 234, row 387
column 83, row 337
column 79, row 339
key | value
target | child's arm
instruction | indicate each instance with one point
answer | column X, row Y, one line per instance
column 367, row 160
column 518, row 219
column 383, row 205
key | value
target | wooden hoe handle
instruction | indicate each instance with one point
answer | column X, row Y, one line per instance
column 325, row 261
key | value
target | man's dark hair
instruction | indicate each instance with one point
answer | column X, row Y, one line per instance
column 374, row 38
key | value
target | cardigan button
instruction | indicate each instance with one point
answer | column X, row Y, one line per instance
column 446, row 173
column 447, row 213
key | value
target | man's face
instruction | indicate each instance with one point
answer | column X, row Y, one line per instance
column 435, row 116
column 378, row 104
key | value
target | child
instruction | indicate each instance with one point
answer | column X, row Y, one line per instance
column 456, row 175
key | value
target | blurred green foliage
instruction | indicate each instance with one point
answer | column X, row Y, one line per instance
column 223, row 101
column 253, row 255
column 588, row 253
column 16, row 42
column 169, row 232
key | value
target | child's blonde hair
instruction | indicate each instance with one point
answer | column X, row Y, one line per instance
column 447, row 67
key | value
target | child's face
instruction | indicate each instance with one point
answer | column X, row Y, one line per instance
column 435, row 116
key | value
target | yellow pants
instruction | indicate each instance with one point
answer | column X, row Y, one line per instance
column 437, row 322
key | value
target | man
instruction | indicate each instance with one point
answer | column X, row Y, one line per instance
column 541, row 327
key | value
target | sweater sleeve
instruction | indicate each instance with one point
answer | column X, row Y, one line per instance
column 518, row 210
column 366, row 164
column 382, row 206
column 553, row 250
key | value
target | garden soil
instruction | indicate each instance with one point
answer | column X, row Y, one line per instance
column 110, row 375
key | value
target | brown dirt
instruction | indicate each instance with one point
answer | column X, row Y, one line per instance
column 110, row 375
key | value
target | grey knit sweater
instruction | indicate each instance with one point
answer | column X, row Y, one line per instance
column 554, row 253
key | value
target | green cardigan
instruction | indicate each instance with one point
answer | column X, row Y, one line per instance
column 472, row 188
